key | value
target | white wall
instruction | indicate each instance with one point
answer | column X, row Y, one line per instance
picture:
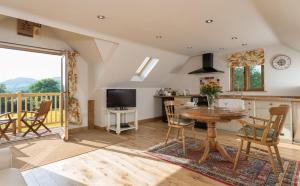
column 117, row 70
column 119, row 61
column 48, row 39
column 277, row 82
column 147, row 105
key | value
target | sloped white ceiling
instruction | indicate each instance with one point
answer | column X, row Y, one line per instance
column 2, row 17
column 83, row 44
column 118, row 70
column 284, row 19
column 180, row 23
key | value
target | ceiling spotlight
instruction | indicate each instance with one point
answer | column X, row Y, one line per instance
column 158, row 37
column 209, row 21
column 101, row 17
column 189, row 47
column 234, row 38
column 244, row 44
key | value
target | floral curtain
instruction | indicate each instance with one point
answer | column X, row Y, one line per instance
column 74, row 115
column 247, row 58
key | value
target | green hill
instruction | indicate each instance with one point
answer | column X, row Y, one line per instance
column 21, row 84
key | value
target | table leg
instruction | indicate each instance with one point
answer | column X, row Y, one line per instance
column 211, row 144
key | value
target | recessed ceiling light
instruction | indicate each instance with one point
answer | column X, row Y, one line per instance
column 101, row 17
column 209, row 21
column 189, row 47
column 244, row 44
column 234, row 38
column 158, row 37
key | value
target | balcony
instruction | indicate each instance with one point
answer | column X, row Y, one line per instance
column 18, row 103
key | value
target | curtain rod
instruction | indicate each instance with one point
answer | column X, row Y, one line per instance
column 30, row 48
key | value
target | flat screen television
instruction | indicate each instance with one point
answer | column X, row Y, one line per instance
column 121, row 98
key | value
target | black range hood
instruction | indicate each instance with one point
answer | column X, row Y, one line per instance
column 207, row 66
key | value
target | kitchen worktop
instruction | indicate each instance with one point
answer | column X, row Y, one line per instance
column 245, row 97
column 261, row 97
column 187, row 96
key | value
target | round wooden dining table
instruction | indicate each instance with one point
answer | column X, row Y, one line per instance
column 212, row 117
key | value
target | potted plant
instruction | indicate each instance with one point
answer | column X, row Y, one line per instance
column 211, row 90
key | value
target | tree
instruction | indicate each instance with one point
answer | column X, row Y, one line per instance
column 2, row 88
column 45, row 86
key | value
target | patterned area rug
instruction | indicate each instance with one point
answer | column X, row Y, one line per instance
column 249, row 172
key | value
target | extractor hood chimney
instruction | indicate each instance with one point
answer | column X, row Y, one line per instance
column 207, row 65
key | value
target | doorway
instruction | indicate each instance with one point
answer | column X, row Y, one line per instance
column 27, row 79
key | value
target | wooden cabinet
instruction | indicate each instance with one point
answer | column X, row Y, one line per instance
column 250, row 107
column 260, row 108
column 91, row 114
column 262, row 111
column 180, row 103
column 164, row 115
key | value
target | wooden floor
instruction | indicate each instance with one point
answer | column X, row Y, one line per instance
column 125, row 163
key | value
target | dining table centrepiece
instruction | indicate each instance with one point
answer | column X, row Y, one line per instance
column 211, row 89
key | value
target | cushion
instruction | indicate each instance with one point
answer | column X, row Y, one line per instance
column 182, row 121
column 259, row 132
column 11, row 176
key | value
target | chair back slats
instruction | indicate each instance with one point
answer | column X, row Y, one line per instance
column 279, row 113
column 170, row 111
column 44, row 109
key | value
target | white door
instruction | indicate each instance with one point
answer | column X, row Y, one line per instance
column 64, row 97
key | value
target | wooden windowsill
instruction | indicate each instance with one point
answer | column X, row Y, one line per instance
column 247, row 91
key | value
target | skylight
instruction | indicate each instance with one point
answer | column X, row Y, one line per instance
column 144, row 69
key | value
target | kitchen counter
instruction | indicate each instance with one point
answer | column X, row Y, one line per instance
column 188, row 96
column 262, row 98
column 245, row 97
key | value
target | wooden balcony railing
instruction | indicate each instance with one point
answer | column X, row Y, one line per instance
column 18, row 103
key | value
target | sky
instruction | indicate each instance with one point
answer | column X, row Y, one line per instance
column 15, row 63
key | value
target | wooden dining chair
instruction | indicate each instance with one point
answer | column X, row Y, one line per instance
column 175, row 121
column 265, row 134
column 6, row 120
column 37, row 119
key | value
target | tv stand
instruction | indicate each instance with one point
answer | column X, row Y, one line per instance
column 121, row 114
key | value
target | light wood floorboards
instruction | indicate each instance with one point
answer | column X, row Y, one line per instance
column 125, row 163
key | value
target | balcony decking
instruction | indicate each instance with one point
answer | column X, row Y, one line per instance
column 18, row 103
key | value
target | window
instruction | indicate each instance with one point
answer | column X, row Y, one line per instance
column 247, row 78
column 144, row 69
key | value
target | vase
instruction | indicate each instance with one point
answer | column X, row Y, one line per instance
column 210, row 101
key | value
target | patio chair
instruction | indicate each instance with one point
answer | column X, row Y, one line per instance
column 37, row 119
column 6, row 120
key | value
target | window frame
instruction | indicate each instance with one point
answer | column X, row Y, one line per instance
column 247, row 79
column 145, row 69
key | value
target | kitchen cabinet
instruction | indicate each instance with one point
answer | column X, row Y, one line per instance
column 180, row 103
column 259, row 108
column 262, row 111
